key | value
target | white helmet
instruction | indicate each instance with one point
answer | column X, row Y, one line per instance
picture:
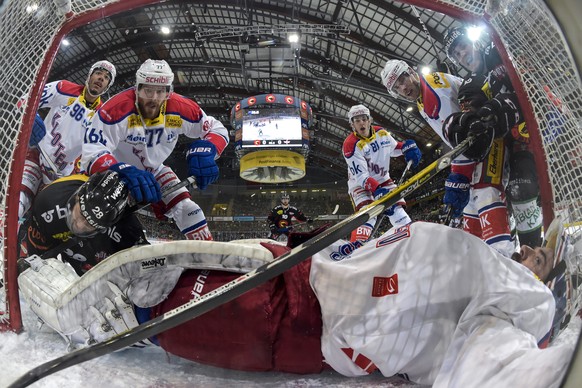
column 155, row 72
column 103, row 65
column 392, row 71
column 358, row 110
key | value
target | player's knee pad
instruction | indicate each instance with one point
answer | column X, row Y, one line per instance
column 399, row 217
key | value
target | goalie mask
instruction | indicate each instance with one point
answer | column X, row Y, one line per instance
column 101, row 65
column 96, row 205
column 391, row 78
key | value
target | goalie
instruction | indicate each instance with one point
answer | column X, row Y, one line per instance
column 441, row 313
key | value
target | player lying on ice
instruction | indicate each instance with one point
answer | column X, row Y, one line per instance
column 450, row 313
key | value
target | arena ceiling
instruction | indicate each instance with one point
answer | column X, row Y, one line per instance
column 222, row 53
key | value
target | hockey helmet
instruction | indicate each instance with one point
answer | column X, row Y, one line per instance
column 284, row 195
column 393, row 69
column 358, row 110
column 452, row 38
column 156, row 73
column 101, row 202
column 102, row 65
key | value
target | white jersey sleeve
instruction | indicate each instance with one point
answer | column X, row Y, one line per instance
column 439, row 98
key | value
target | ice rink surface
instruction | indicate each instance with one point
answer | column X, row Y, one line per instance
column 153, row 367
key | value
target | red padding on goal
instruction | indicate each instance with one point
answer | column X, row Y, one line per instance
column 274, row 327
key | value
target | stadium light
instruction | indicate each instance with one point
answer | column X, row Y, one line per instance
column 474, row 33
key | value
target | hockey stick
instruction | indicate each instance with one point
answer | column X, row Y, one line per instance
column 76, row 240
column 381, row 217
column 246, row 282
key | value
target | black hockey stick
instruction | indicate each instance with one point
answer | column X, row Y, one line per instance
column 246, row 282
column 76, row 240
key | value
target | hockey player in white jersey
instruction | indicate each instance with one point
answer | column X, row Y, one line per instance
column 367, row 151
column 60, row 136
column 136, row 131
column 475, row 188
column 439, row 307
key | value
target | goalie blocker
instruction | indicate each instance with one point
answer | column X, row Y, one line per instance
column 484, row 304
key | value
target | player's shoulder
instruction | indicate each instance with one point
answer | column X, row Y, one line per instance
column 68, row 88
column 381, row 131
column 184, row 107
column 118, row 107
column 350, row 144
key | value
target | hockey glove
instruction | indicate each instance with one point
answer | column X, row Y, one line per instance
column 38, row 131
column 201, row 163
column 310, row 221
column 380, row 192
column 500, row 113
column 457, row 193
column 459, row 125
column 142, row 184
column 411, row 152
column 282, row 230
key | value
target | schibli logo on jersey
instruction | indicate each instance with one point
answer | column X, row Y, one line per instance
column 199, row 284
column 162, row 80
column 153, row 263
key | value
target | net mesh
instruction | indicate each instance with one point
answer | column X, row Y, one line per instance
column 534, row 43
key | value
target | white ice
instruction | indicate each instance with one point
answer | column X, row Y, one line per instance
column 152, row 367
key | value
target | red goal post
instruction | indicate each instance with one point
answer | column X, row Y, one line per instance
column 542, row 67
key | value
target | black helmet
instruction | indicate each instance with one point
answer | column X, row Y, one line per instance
column 452, row 38
column 284, row 195
column 102, row 200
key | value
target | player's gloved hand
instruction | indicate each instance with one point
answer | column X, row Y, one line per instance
column 38, row 131
column 457, row 193
column 411, row 152
column 201, row 163
column 142, row 184
column 282, row 230
column 310, row 221
column 459, row 125
column 380, row 192
column 500, row 113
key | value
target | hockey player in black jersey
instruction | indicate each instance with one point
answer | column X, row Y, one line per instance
column 280, row 219
column 90, row 208
column 490, row 83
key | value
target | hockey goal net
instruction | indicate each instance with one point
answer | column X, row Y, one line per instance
column 543, row 70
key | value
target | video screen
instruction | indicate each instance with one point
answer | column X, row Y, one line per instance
column 271, row 127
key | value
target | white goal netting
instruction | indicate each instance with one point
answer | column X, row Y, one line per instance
column 545, row 73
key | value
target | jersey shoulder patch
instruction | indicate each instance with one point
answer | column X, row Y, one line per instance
column 350, row 145
column 118, row 107
column 186, row 109
column 68, row 88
